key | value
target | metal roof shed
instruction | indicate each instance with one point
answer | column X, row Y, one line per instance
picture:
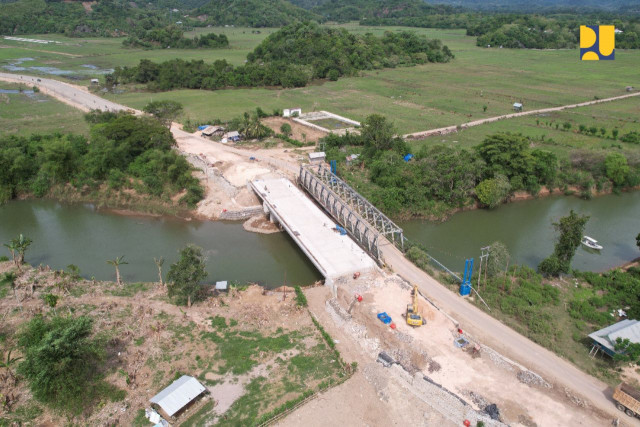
column 605, row 339
column 178, row 395
column 221, row 286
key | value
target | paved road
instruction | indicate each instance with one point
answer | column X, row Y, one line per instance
column 479, row 324
column 504, row 339
column 450, row 129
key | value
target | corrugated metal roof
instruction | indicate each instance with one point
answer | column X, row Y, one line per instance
column 221, row 286
column 178, row 394
column 628, row 328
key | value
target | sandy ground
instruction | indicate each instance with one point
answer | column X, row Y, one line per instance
column 478, row 380
column 297, row 130
column 357, row 402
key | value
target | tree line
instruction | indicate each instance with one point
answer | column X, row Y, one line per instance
column 291, row 57
column 123, row 151
column 173, row 37
column 436, row 179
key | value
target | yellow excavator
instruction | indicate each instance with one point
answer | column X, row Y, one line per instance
column 414, row 318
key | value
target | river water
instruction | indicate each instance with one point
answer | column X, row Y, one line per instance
column 66, row 234
column 525, row 228
column 79, row 234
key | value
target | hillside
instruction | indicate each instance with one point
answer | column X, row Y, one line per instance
column 538, row 6
column 252, row 13
column 354, row 10
column 106, row 18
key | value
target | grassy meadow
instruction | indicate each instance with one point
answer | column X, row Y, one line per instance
column 415, row 98
column 27, row 113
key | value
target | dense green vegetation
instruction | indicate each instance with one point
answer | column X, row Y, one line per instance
column 439, row 179
column 173, row 37
column 252, row 13
column 122, row 152
column 62, row 363
column 292, row 57
column 106, row 18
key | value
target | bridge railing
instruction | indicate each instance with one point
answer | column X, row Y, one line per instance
column 359, row 228
column 356, row 202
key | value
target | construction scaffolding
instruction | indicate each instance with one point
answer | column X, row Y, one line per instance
column 355, row 213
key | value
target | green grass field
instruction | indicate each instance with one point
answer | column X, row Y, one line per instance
column 24, row 114
column 414, row 98
column 623, row 115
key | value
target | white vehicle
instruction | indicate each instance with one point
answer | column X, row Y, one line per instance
column 591, row 243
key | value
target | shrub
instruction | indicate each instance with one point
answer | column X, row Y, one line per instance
column 301, row 299
column 492, row 192
column 285, row 129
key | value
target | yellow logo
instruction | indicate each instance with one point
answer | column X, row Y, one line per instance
column 597, row 42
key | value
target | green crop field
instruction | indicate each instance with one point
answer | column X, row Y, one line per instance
column 27, row 113
column 414, row 98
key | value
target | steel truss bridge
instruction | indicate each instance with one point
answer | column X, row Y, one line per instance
column 362, row 220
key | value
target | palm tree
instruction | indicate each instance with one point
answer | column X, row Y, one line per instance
column 18, row 247
column 9, row 362
column 159, row 262
column 11, row 278
column 117, row 263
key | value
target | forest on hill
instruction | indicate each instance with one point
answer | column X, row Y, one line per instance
column 252, row 13
column 291, row 57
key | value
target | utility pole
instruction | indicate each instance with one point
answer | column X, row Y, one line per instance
column 484, row 256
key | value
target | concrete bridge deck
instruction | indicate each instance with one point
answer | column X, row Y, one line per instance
column 332, row 254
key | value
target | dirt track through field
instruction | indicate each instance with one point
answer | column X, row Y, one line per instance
column 449, row 129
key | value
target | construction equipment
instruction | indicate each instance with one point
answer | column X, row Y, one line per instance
column 413, row 316
column 627, row 399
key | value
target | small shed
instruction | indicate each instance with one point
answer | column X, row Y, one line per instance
column 317, row 157
column 180, row 394
column 95, row 81
column 212, row 130
column 292, row 112
column 517, row 106
column 233, row 136
column 221, row 286
column 605, row 339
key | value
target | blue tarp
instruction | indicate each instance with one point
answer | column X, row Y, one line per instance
column 408, row 157
column 203, row 127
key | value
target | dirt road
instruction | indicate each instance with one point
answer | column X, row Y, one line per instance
column 505, row 340
column 449, row 129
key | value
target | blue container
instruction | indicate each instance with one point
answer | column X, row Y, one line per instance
column 384, row 318
column 465, row 289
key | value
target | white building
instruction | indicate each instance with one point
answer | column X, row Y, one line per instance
column 291, row 112
column 318, row 157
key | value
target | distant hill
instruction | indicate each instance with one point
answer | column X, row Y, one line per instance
column 354, row 10
column 252, row 13
column 544, row 5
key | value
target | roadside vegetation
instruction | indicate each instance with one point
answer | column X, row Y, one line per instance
column 436, row 180
column 173, row 37
column 124, row 153
column 291, row 57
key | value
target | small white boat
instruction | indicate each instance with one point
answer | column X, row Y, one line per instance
column 591, row 243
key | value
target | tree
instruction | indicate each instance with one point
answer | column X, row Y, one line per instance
column 117, row 263
column 616, row 167
column 638, row 240
column 571, row 229
column 51, row 300
column 498, row 259
column 614, row 133
column 377, row 134
column 285, row 129
column 484, row 108
column 492, row 192
column 60, row 361
column 18, row 247
column 185, row 276
column 165, row 111
column 159, row 262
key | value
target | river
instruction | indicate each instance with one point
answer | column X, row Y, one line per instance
column 525, row 228
column 78, row 234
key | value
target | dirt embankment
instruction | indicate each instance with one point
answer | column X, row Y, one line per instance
column 298, row 131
